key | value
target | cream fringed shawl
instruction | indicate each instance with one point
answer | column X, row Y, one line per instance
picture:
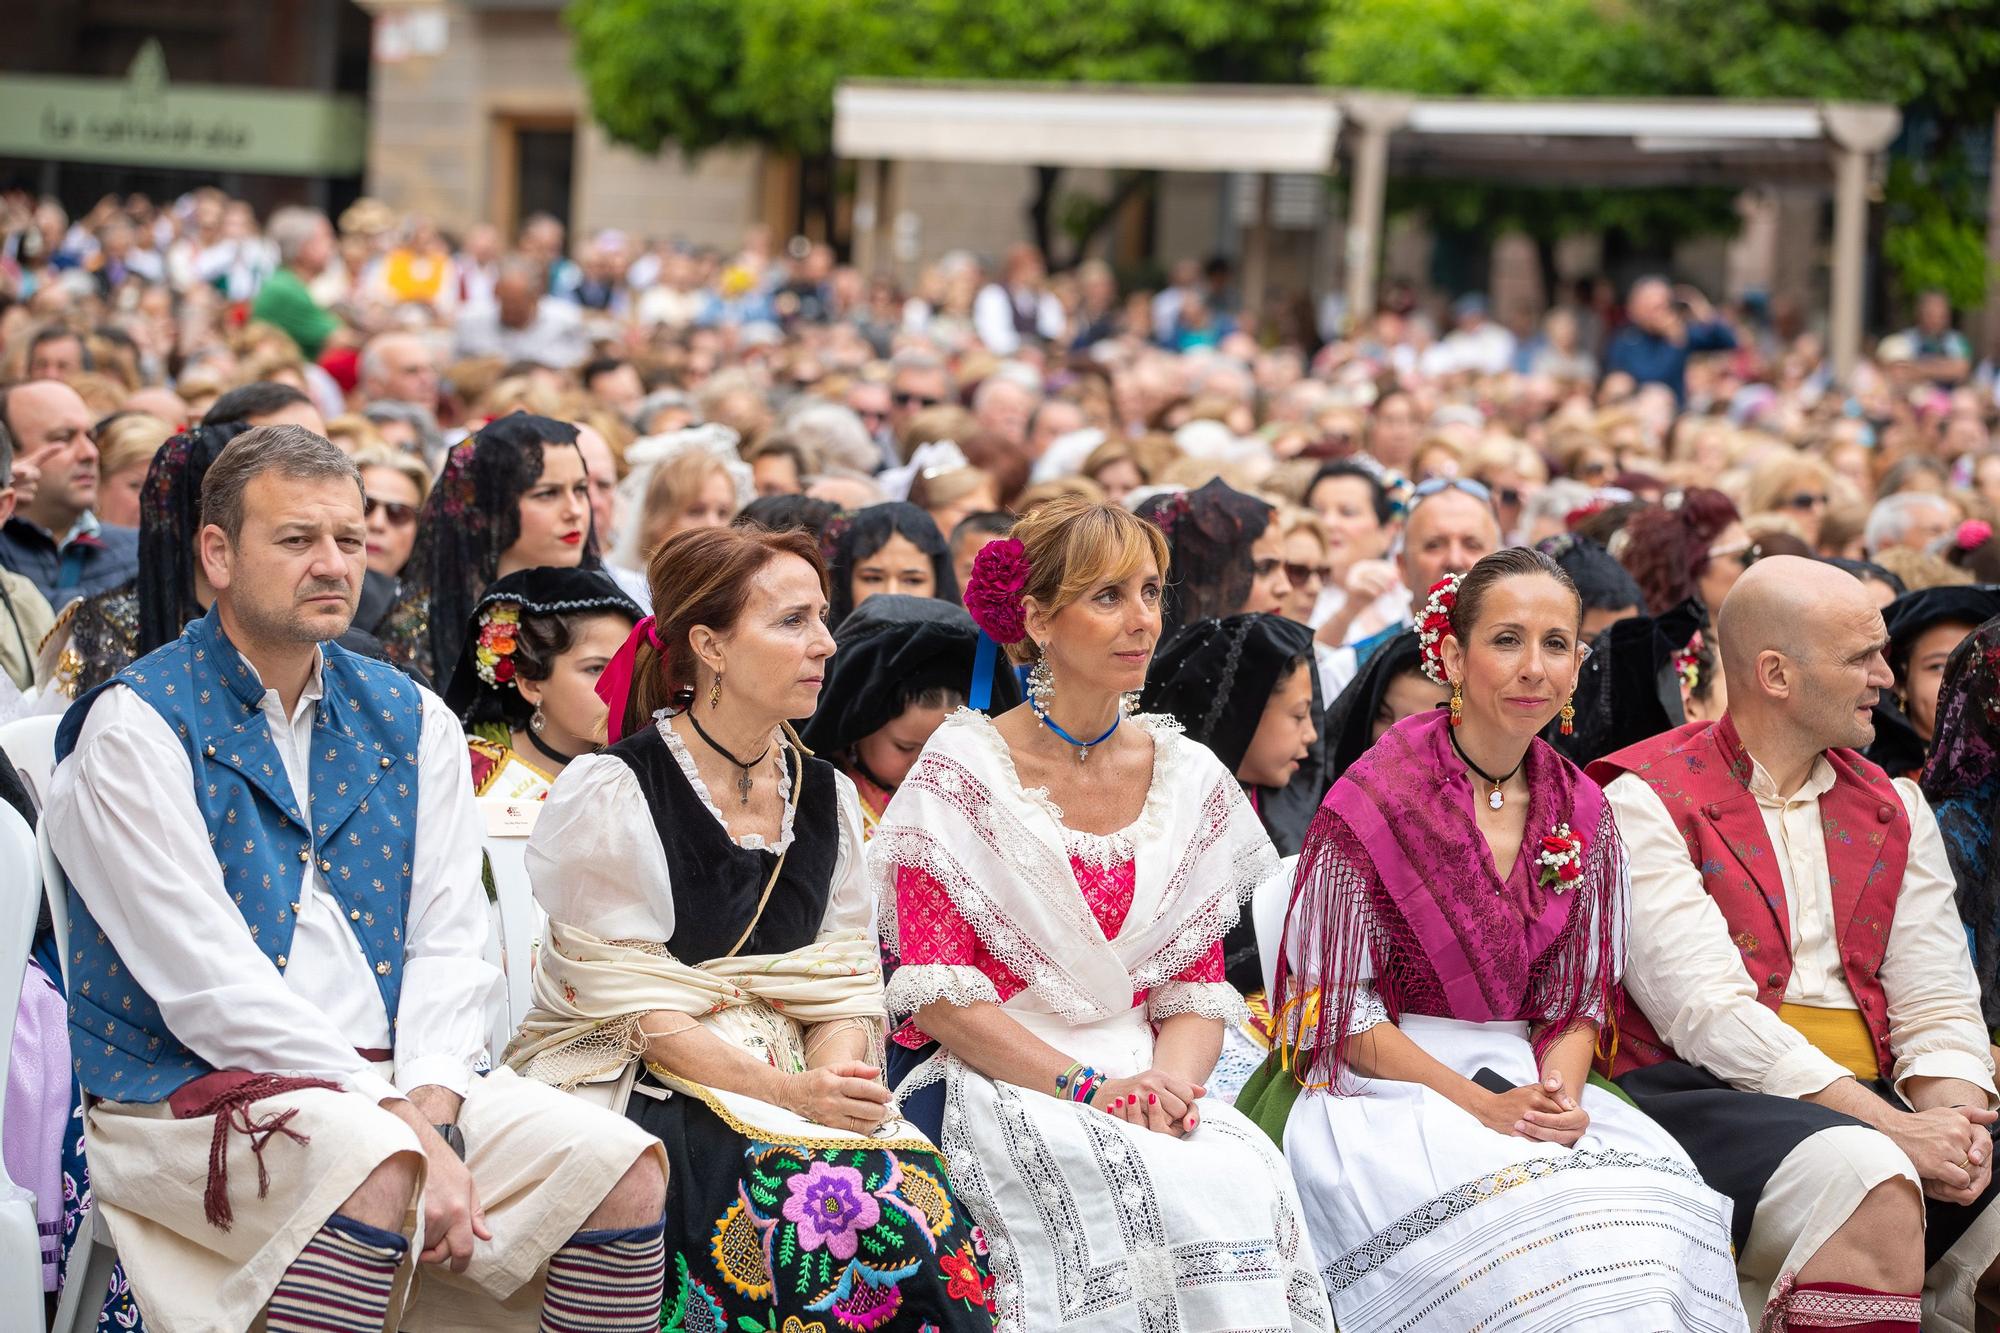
column 590, row 995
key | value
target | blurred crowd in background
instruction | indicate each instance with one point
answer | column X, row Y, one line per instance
column 982, row 386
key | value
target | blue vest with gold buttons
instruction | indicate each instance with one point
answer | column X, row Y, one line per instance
column 359, row 838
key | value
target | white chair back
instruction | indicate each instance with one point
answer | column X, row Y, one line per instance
column 30, row 743
column 55, row 893
column 20, row 906
column 20, row 903
column 520, row 919
column 1268, row 906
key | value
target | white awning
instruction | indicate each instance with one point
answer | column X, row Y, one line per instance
column 1167, row 129
column 1590, row 119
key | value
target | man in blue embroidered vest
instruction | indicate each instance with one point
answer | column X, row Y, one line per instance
column 1805, row 1017
column 276, row 980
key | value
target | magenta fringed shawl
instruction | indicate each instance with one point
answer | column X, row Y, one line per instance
column 1395, row 864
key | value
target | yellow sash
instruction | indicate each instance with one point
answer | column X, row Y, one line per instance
column 1841, row 1033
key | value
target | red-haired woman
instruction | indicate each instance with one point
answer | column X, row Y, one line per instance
column 1693, row 545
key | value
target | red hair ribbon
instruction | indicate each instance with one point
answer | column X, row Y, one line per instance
column 614, row 686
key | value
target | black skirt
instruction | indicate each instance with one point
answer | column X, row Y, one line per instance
column 764, row 1233
column 1737, row 1140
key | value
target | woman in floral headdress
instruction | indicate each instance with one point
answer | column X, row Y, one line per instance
column 526, row 683
column 1453, row 947
column 1058, row 882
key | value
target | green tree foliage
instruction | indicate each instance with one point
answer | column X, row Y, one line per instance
column 1944, row 53
column 700, row 73
column 1503, row 48
column 705, row 72
column 1942, row 56
column 1486, row 48
column 1934, row 237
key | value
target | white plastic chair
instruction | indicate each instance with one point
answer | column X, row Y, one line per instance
column 30, row 743
column 92, row 1254
column 520, row 920
column 1268, row 907
column 20, row 1237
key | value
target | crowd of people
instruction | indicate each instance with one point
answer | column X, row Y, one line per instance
column 1056, row 804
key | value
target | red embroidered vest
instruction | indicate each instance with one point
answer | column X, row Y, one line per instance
column 1702, row 775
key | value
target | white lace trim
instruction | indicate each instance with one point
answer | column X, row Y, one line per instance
column 749, row 842
column 918, row 984
column 1207, row 999
column 1102, row 850
column 1369, row 1011
column 1249, row 863
column 1151, row 818
column 1226, row 844
column 1219, row 911
column 1018, row 951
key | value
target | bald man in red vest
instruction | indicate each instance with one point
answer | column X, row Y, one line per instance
column 1804, row 1015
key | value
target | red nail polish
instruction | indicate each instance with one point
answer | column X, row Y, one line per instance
column 1152, row 1099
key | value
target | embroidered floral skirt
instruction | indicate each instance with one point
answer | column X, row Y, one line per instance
column 771, row 1237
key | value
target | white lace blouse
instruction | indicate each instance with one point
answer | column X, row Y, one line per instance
column 597, row 862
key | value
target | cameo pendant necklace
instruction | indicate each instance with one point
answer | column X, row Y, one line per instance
column 1495, row 799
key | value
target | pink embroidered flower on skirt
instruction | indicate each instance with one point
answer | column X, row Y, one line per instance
column 993, row 590
column 831, row 1206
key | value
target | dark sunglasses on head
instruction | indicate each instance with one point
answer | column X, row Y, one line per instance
column 916, row 399
column 1303, row 574
column 1803, row 500
column 401, row 515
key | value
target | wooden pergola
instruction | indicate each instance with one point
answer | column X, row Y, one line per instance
column 1269, row 130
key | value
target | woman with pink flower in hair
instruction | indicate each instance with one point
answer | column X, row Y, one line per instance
column 1450, row 963
column 1058, row 882
column 711, row 971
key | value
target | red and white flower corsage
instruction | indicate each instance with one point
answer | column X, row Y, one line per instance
column 1561, row 859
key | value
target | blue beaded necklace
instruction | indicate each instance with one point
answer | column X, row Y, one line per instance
column 1083, row 748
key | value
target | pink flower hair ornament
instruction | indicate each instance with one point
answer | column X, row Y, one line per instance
column 993, row 590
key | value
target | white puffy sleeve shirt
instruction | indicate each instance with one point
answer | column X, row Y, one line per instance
column 1688, row 977
column 124, row 823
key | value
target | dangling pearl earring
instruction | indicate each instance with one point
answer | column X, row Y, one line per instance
column 1041, row 686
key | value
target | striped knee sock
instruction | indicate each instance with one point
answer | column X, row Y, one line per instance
column 607, row 1282
column 341, row 1282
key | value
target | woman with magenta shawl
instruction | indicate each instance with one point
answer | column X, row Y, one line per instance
column 1452, row 952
